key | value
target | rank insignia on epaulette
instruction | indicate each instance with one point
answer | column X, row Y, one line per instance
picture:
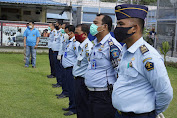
column 143, row 49
column 100, row 49
column 102, row 46
column 149, row 66
column 74, row 40
column 61, row 35
column 74, row 48
column 86, row 45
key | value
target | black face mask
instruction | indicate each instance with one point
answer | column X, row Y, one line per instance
column 56, row 27
column 120, row 33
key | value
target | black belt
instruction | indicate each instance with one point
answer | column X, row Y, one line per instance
column 79, row 77
column 69, row 67
column 134, row 114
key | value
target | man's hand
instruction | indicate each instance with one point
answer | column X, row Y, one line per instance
column 25, row 45
column 160, row 116
column 35, row 46
column 59, row 57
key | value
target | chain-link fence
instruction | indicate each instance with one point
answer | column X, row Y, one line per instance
column 166, row 23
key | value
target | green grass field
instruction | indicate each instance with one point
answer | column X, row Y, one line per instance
column 27, row 92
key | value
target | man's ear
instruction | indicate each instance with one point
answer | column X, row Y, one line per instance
column 85, row 35
column 135, row 28
column 105, row 26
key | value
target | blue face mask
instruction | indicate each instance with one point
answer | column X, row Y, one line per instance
column 93, row 29
column 62, row 31
column 49, row 29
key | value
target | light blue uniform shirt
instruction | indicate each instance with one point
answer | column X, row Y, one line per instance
column 100, row 69
column 70, row 54
column 57, row 39
column 143, row 84
column 31, row 36
column 81, row 65
column 52, row 36
column 63, row 43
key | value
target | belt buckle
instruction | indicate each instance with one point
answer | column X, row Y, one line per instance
column 119, row 112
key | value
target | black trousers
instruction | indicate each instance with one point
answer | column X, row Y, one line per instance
column 101, row 104
column 81, row 96
column 71, row 89
column 65, row 90
column 51, row 60
column 57, row 66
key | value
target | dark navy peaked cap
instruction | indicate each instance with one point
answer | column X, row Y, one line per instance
column 131, row 11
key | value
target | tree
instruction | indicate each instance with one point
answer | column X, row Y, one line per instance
column 165, row 48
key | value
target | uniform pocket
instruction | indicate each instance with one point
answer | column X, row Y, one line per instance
column 98, row 55
column 131, row 71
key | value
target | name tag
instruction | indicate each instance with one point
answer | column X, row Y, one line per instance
column 93, row 64
column 65, row 55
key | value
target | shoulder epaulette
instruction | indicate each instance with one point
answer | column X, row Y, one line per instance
column 143, row 49
column 74, row 40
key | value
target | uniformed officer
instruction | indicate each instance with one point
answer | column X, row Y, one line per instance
column 55, row 49
column 100, row 74
column 79, row 69
column 143, row 88
column 64, row 39
column 68, row 61
column 51, row 60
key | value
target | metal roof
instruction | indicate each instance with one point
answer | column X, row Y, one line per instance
column 57, row 16
column 41, row 2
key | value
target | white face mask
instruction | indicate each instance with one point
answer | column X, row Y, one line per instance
column 66, row 36
column 30, row 26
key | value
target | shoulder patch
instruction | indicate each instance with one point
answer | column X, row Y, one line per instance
column 149, row 66
column 147, row 59
column 144, row 49
column 114, row 53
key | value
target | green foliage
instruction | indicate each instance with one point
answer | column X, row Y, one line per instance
column 165, row 48
column 171, row 64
